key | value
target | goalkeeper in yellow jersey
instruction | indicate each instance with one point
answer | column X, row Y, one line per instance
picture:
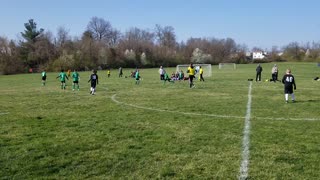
column 201, row 74
column 191, row 72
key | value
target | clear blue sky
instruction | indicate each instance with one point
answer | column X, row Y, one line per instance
column 251, row 22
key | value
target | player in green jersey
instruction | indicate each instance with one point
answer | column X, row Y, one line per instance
column 44, row 77
column 137, row 77
column 76, row 78
column 63, row 76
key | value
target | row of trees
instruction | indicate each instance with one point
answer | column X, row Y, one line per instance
column 103, row 46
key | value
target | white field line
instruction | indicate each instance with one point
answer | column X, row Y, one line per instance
column 163, row 110
column 3, row 113
column 246, row 139
column 104, row 88
column 113, row 98
column 288, row 119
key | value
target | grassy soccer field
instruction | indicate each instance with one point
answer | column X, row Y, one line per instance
column 160, row 131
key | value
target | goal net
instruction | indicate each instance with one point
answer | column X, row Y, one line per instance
column 227, row 66
column 207, row 71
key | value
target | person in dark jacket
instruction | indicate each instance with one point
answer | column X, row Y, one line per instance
column 258, row 74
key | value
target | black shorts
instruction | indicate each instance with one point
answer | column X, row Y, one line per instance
column 75, row 81
column 288, row 90
column 63, row 81
column 93, row 84
column 44, row 78
column 191, row 77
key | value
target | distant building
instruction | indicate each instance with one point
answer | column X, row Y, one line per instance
column 280, row 54
column 5, row 50
column 308, row 53
column 259, row 55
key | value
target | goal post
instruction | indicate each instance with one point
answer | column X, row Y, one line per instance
column 207, row 70
column 227, row 66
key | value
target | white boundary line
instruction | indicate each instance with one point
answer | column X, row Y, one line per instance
column 246, row 139
column 288, row 119
column 163, row 110
column 113, row 98
column 4, row 113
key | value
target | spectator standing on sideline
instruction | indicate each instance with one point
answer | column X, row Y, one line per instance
column 274, row 72
column 258, row 74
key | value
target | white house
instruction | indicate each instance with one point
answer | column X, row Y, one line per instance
column 259, row 55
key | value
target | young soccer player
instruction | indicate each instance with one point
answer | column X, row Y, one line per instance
column 44, row 77
column 76, row 78
column 69, row 73
column 167, row 78
column 191, row 72
column 181, row 75
column 289, row 84
column 137, row 77
column 162, row 73
column 120, row 72
column 94, row 81
column 109, row 73
column 63, row 76
column 201, row 74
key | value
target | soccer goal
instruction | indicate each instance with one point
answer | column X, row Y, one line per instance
column 207, row 71
column 227, row 66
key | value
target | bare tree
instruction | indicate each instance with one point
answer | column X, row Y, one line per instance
column 165, row 36
column 115, row 37
column 294, row 51
column 100, row 28
column 62, row 36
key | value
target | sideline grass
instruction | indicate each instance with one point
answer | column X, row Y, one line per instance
column 54, row 134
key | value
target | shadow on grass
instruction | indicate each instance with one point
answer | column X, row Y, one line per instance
column 308, row 101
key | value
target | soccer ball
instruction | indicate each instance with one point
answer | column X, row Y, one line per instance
column 267, row 80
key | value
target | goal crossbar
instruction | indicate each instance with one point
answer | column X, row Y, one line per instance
column 207, row 70
column 227, row 66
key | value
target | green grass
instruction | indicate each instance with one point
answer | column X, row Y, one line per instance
column 48, row 133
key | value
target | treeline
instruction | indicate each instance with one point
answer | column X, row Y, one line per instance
column 102, row 46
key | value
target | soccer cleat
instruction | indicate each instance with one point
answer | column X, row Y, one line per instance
column 293, row 101
column 286, row 101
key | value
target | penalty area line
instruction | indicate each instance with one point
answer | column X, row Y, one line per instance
column 113, row 98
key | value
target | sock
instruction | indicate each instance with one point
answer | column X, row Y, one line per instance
column 73, row 86
column 61, row 86
column 292, row 96
column 78, row 87
column 286, row 96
